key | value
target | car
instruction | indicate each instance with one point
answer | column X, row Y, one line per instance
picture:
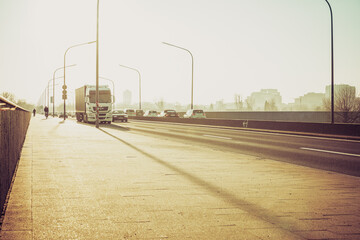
column 139, row 113
column 61, row 115
column 119, row 115
column 150, row 113
column 169, row 113
column 71, row 114
column 194, row 113
column 130, row 112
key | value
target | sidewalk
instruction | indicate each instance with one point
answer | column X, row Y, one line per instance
column 78, row 182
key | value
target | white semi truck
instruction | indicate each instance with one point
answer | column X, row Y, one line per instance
column 86, row 104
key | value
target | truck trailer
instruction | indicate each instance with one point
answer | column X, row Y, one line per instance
column 85, row 104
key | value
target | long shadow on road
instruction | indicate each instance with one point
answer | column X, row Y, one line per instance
column 252, row 209
column 109, row 126
column 116, row 127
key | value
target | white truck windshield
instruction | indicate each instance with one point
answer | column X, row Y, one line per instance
column 104, row 96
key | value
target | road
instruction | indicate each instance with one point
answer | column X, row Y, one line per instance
column 143, row 180
column 338, row 155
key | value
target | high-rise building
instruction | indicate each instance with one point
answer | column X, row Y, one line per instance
column 310, row 101
column 339, row 88
column 127, row 98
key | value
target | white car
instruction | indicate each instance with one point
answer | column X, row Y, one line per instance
column 119, row 115
column 194, row 113
column 130, row 112
column 151, row 113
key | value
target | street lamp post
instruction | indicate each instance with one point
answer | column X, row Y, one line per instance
column 113, row 89
column 332, row 64
column 192, row 71
column 64, row 86
column 48, row 94
column 139, row 81
column 97, row 67
column 54, row 85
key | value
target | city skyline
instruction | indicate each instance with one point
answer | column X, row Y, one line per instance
column 239, row 47
column 311, row 101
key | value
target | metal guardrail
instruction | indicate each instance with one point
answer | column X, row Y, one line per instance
column 5, row 105
column 345, row 130
column 14, row 122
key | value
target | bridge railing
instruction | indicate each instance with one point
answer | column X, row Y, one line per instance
column 14, row 122
column 304, row 127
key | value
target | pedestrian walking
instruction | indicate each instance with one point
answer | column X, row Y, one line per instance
column 34, row 112
column 46, row 110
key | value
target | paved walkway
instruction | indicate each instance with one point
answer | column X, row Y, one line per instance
column 78, row 182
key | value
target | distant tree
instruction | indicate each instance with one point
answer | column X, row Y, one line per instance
column 22, row 103
column 238, row 102
column 249, row 104
column 320, row 108
column 219, row 105
column 346, row 105
column 266, row 106
column 211, row 107
column 273, row 106
column 160, row 104
column 9, row 96
column 270, row 106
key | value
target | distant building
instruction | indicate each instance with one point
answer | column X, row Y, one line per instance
column 127, row 98
column 338, row 88
column 310, row 101
column 258, row 99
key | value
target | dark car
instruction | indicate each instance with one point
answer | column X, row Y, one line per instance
column 169, row 113
column 119, row 115
column 61, row 115
column 139, row 113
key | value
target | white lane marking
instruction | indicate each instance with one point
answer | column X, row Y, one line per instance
column 213, row 136
column 326, row 151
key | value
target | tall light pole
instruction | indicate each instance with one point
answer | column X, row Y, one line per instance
column 64, row 86
column 48, row 89
column 192, row 71
column 332, row 64
column 54, row 85
column 139, row 81
column 113, row 89
column 97, row 67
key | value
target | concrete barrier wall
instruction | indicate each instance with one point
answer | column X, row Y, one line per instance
column 292, row 116
column 284, row 116
column 13, row 127
column 323, row 128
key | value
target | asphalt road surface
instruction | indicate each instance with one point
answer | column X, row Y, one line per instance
column 327, row 153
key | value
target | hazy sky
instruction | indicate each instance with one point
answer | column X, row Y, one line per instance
column 239, row 46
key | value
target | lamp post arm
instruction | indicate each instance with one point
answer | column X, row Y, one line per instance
column 332, row 64
column 139, row 81
column 172, row 45
column 77, row 45
column 192, row 71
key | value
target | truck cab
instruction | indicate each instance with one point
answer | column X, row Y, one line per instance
column 86, row 104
